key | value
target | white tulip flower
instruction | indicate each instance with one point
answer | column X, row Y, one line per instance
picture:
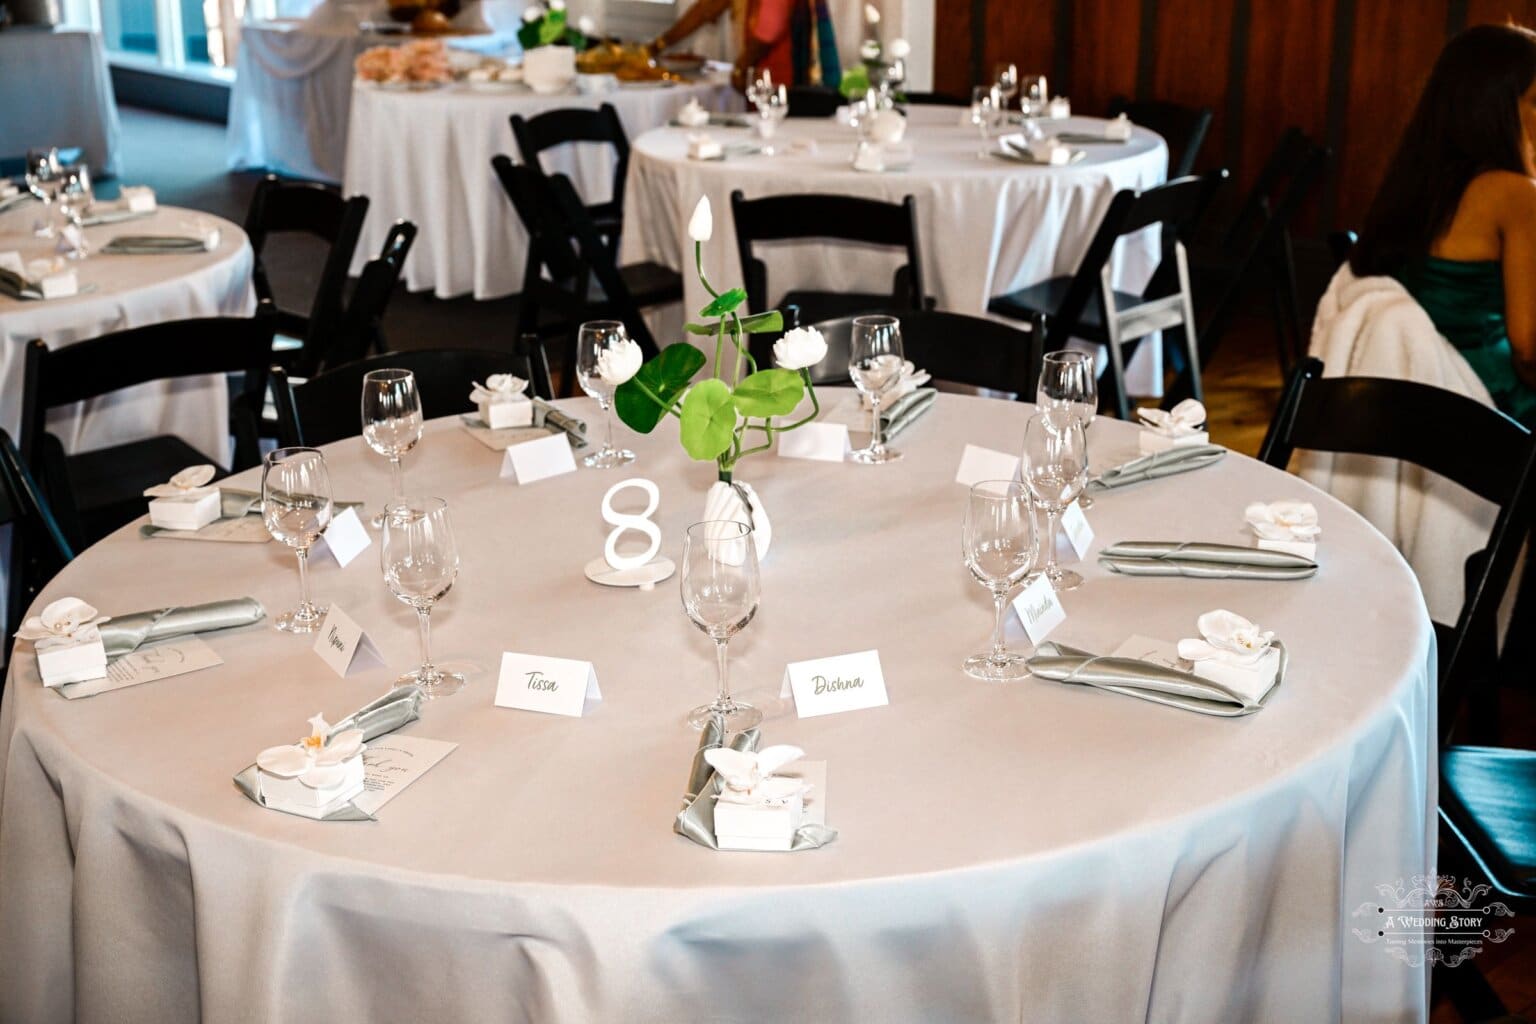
column 872, row 14
column 533, row 14
column 557, row 5
column 901, row 49
column 619, row 362
column 702, row 224
column 586, row 26
column 800, row 348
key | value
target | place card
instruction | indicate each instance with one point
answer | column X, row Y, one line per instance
column 824, row 442
column 978, row 464
column 392, row 762
column 1039, row 609
column 344, row 646
column 344, row 539
column 555, row 686
column 825, row 686
column 536, row 460
column 1074, row 523
column 158, row 661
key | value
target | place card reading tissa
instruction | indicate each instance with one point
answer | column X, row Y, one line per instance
column 344, row 646
column 1039, row 609
column 555, row 686
column 978, row 464
column 537, row 460
column 824, row 442
column 344, row 539
column 826, row 686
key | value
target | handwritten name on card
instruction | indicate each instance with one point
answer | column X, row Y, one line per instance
column 825, row 686
column 344, row 646
column 344, row 539
column 1074, row 523
column 538, row 460
column 978, row 464
column 1039, row 609
column 824, row 442
column 555, row 686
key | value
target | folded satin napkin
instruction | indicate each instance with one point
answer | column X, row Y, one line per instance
column 153, row 245
column 696, row 820
column 907, row 410
column 112, row 214
column 1160, row 464
column 1148, row 680
column 398, row 707
column 1203, row 561
column 547, row 416
column 124, row 634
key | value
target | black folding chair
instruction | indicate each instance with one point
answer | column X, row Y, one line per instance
column 1183, row 128
column 324, row 408
column 361, row 328
column 283, row 206
column 571, row 125
column 95, row 492
column 970, row 351
column 1085, row 305
column 935, row 99
column 39, row 548
column 842, row 218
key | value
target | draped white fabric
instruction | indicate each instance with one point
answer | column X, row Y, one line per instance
column 1030, row 851
column 58, row 93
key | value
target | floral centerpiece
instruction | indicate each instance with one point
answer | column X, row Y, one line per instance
column 421, row 61
column 548, row 26
column 883, row 65
column 732, row 414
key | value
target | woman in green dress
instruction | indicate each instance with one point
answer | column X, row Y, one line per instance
column 1455, row 217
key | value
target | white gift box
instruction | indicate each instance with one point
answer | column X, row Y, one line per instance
column 185, row 513
column 1304, row 548
column 1060, row 108
column 702, row 147
column 513, row 411
column 1151, row 442
column 293, row 796
column 74, row 663
column 59, row 286
column 1118, row 128
column 138, row 198
column 758, row 826
column 1252, row 681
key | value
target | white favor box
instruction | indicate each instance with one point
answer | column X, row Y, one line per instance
column 59, row 286
column 1252, row 681
column 1060, row 108
column 507, row 412
column 757, row 826
column 1304, row 548
column 72, row 664
column 183, row 513
column 138, row 198
column 1151, row 442
column 292, row 795
column 704, row 148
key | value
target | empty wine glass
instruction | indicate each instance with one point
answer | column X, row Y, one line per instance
column 772, row 108
column 1036, row 98
column 420, row 561
column 1055, row 469
column 984, row 107
column 999, row 544
column 296, row 508
column 74, row 200
column 1006, row 77
column 43, row 177
column 721, row 588
column 874, row 363
column 597, row 342
column 392, row 422
column 1068, row 383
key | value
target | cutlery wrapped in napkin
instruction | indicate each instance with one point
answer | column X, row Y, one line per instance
column 1204, row 561
column 552, row 419
column 40, row 279
column 133, row 202
column 158, row 245
column 1150, row 681
column 124, row 634
column 1161, row 464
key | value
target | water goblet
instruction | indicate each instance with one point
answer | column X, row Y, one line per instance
column 1006, row 77
column 1068, row 383
column 1055, row 469
column 998, row 542
column 296, row 508
column 721, row 588
column 420, row 561
column 74, row 201
column 43, row 177
column 596, row 343
column 875, row 362
column 392, row 422
column 1036, row 98
column 984, row 107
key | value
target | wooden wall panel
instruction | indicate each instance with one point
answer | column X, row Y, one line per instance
column 1290, row 43
column 1498, row 12
column 1190, row 64
column 1023, row 33
column 952, row 46
column 1105, row 44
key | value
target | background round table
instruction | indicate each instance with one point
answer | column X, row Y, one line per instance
column 426, row 157
column 1029, row 851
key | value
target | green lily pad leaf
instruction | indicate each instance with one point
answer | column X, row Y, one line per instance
column 709, row 419
column 763, row 323
column 725, row 303
column 705, row 329
column 769, row 393
column 666, row 377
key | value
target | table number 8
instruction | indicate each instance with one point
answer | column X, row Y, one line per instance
column 625, row 522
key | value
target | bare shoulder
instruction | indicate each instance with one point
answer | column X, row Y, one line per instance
column 1504, row 193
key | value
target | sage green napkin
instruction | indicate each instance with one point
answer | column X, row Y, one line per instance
column 124, row 634
column 716, row 120
column 112, row 215
column 1160, row 464
column 398, row 707
column 552, row 419
column 1147, row 680
column 15, row 199
column 696, row 820
column 907, row 410
column 154, row 245
column 18, row 287
column 1204, row 561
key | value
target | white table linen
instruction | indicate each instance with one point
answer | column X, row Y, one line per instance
column 57, row 92
column 426, row 157
column 1029, row 851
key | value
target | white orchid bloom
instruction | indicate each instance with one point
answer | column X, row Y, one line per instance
column 68, row 620
column 702, row 224
column 872, row 14
column 1229, row 638
column 557, row 5
column 619, row 362
column 586, row 25
column 800, row 348
column 532, row 14
column 191, row 482
column 1182, row 420
column 317, row 762
column 749, row 775
column 900, row 49
column 869, row 50
column 1283, row 520
column 498, row 387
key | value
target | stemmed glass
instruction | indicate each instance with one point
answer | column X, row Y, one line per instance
column 594, row 339
column 985, row 103
column 721, row 588
column 874, row 363
column 1037, row 96
column 1068, row 382
column 1007, row 77
column 1055, row 469
column 74, row 199
column 392, row 422
column 296, row 508
column 420, row 561
column 772, row 107
column 999, row 546
column 43, row 178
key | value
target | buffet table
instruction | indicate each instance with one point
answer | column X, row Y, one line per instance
column 1028, row 851
column 58, row 93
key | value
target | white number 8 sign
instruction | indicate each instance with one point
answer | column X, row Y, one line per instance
column 625, row 522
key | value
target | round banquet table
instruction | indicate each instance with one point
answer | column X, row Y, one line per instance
column 426, row 157
column 1029, row 851
column 985, row 227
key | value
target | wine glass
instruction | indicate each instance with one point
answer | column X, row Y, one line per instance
column 593, row 340
column 1007, row 78
column 43, row 173
column 1055, row 469
column 772, row 107
column 874, row 363
column 1068, row 383
column 1036, row 99
column 984, row 107
column 74, row 199
column 999, row 546
column 296, row 508
column 420, row 561
column 721, row 588
column 392, row 422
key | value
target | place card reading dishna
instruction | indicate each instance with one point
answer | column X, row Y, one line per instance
column 537, row 460
column 344, row 646
column 846, row 682
column 824, row 442
column 555, row 686
column 978, row 464
column 1039, row 609
column 1074, row 523
column 344, row 539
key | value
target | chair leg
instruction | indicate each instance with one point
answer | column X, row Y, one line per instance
column 1292, row 299
column 1191, row 340
column 1112, row 331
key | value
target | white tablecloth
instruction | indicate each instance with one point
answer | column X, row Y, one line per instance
column 426, row 157
column 1028, row 851
column 57, row 92
column 987, row 227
